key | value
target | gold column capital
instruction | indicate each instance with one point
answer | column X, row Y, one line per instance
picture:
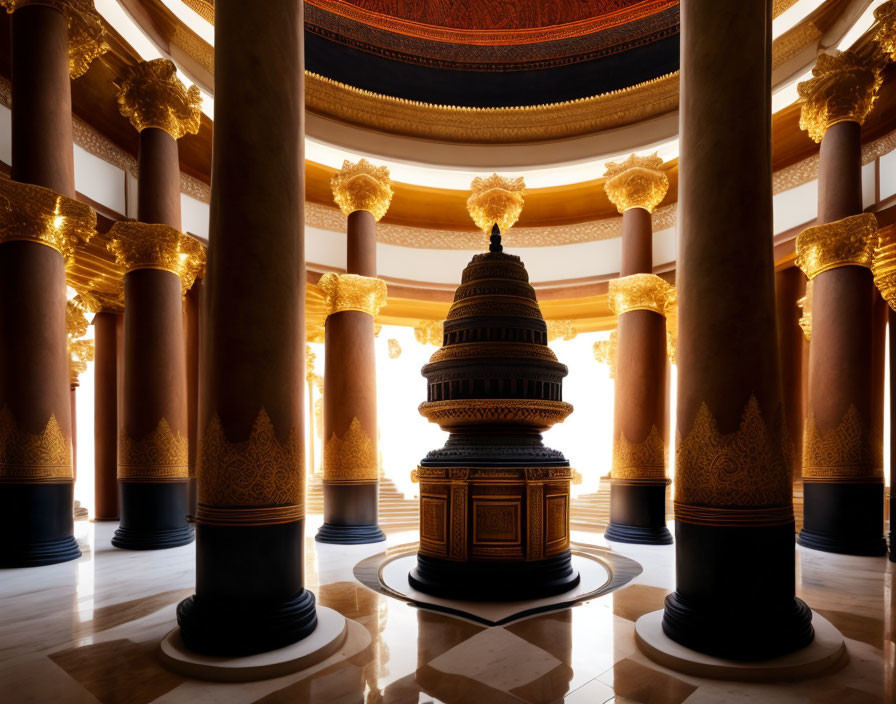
column 429, row 332
column 640, row 292
column 605, row 352
column 140, row 245
column 86, row 35
column 362, row 186
column 35, row 214
column 843, row 88
column 560, row 330
column 846, row 242
column 496, row 200
column 352, row 292
column 637, row 182
column 80, row 351
column 152, row 96
column 883, row 265
column 885, row 36
column 805, row 304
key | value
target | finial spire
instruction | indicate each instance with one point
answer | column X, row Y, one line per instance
column 495, row 240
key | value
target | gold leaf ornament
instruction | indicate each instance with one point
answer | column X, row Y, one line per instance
column 496, row 200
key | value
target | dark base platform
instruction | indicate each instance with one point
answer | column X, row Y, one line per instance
column 37, row 524
column 843, row 518
column 238, row 627
column 892, row 546
column 844, row 545
column 638, row 535
column 153, row 516
column 494, row 581
column 349, row 535
column 638, row 514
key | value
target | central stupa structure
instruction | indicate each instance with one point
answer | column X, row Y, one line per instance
column 494, row 501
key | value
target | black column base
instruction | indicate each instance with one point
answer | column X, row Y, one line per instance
column 153, row 516
column 843, row 518
column 638, row 535
column 349, row 535
column 37, row 524
column 237, row 627
column 892, row 546
column 494, row 581
column 843, row 545
column 638, row 514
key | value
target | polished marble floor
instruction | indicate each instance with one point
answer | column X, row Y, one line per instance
column 88, row 631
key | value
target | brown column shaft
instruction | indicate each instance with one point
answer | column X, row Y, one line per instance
column 158, row 178
column 73, row 395
column 840, row 172
column 191, row 334
column 891, row 327
column 790, row 286
column 107, row 330
column 640, row 401
column 637, row 242
column 361, row 244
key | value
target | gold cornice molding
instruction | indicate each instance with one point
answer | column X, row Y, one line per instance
column 637, row 182
column 496, row 200
column 352, row 292
column 847, row 242
column 640, row 292
column 885, row 36
column 140, row 245
column 152, row 96
column 362, row 186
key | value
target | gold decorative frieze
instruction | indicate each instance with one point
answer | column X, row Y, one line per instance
column 429, row 332
column 560, row 330
column 351, row 458
column 34, row 214
column 748, row 467
column 639, row 461
column 140, row 245
column 843, row 88
column 885, row 36
column 805, row 304
column 640, row 292
column 33, row 457
column 605, row 352
column 362, row 186
column 151, row 95
column 847, row 452
column 394, row 348
column 257, row 481
column 637, row 182
column 353, row 292
column 482, row 411
column 846, row 242
column 496, row 201
column 158, row 456
column 883, row 265
column 86, row 36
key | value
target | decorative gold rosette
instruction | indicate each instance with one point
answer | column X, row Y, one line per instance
column 846, row 242
column 640, row 292
column 496, row 201
column 152, row 96
column 637, row 182
column 362, row 186
column 353, row 292
column 140, row 245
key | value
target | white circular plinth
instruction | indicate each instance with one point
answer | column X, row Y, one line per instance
column 825, row 653
column 322, row 642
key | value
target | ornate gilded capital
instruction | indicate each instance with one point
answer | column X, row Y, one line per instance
column 351, row 458
column 847, row 452
column 429, row 332
column 671, row 313
column 805, row 304
column 394, row 348
column 885, row 36
column 846, row 242
column 33, row 457
column 159, row 456
column 843, row 89
column 637, row 182
column 152, row 96
column 605, row 352
column 560, row 330
column 35, row 214
column 140, row 245
column 640, row 292
column 496, row 201
column 86, row 36
column 353, row 292
column 80, row 351
column 643, row 462
column 883, row 265
column 362, row 186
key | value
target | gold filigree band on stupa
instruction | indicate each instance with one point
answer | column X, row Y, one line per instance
column 885, row 36
column 141, row 245
column 362, row 186
column 350, row 459
column 746, row 471
column 152, row 96
column 156, row 457
column 29, row 458
column 843, row 88
column 31, row 213
column 846, row 453
column 805, row 304
column 640, row 292
column 496, row 201
column 847, row 242
column 637, row 182
column 257, row 481
column 352, row 292
column 639, row 462
column 86, row 36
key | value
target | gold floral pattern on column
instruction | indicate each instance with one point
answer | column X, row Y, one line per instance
column 33, row 457
column 257, row 481
column 158, row 456
column 152, row 96
column 846, row 242
column 86, row 36
column 362, row 186
column 35, row 214
column 643, row 462
column 845, row 452
column 140, row 245
column 496, row 201
column 637, row 182
column 885, row 36
column 640, row 292
column 843, row 88
column 353, row 292
column 351, row 458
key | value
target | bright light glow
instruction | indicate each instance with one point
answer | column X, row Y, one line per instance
column 192, row 19
column 862, row 25
column 792, row 16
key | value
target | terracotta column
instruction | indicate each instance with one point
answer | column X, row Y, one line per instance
column 161, row 264
column 734, row 525
column 351, row 481
column 250, row 594
column 639, row 298
column 790, row 286
column 38, row 229
column 842, row 444
column 191, row 334
column 107, row 331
